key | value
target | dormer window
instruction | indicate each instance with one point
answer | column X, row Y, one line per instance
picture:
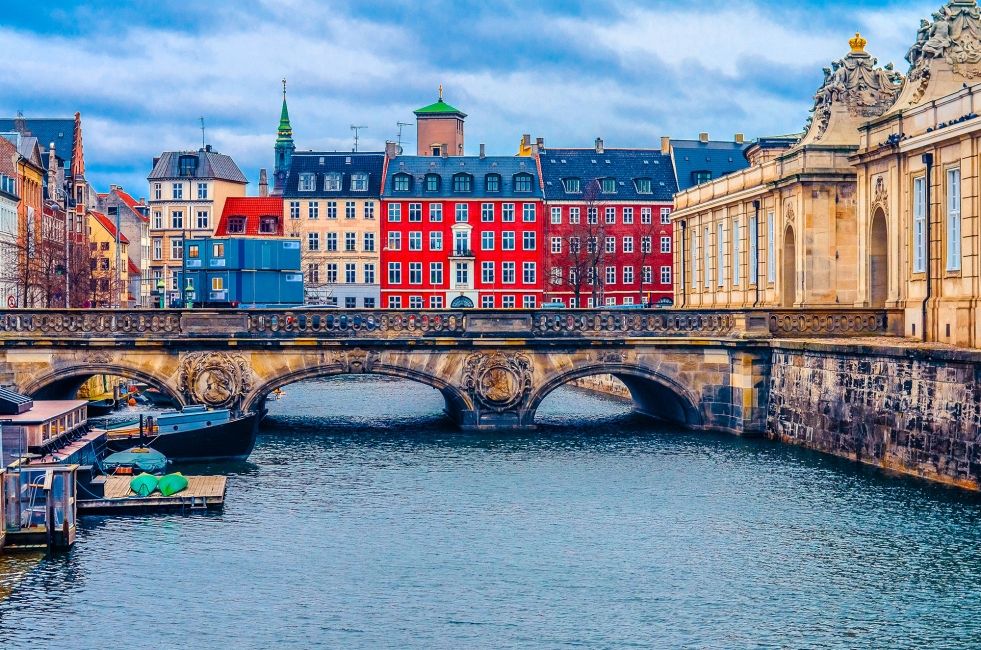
column 236, row 224
column 401, row 182
column 492, row 183
column 432, row 182
column 608, row 185
column 643, row 185
column 187, row 165
column 359, row 182
column 307, row 182
column 522, row 182
column 268, row 225
column 332, row 182
column 572, row 185
column 462, row 182
column 700, row 177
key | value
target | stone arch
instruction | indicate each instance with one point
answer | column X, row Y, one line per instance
column 64, row 383
column 878, row 260
column 458, row 404
column 654, row 394
column 788, row 294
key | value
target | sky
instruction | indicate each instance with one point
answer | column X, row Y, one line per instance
column 143, row 72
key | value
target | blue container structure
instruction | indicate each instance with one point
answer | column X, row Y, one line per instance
column 242, row 272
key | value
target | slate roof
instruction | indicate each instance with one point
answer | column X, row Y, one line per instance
column 309, row 162
column 419, row 166
column 211, row 165
column 252, row 208
column 716, row 157
column 107, row 223
column 624, row 165
column 59, row 130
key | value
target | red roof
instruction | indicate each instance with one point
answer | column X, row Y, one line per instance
column 108, row 225
column 133, row 268
column 132, row 203
column 251, row 208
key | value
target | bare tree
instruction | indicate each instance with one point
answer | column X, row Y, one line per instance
column 648, row 242
column 585, row 248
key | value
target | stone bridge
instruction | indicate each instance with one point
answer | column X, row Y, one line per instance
column 702, row 369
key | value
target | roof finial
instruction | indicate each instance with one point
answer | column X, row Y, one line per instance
column 284, row 88
column 441, row 92
column 858, row 43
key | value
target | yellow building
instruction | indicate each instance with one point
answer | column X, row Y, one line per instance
column 187, row 195
column 109, row 281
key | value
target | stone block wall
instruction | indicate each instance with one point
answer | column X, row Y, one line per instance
column 911, row 410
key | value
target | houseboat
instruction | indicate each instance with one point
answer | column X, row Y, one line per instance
column 195, row 434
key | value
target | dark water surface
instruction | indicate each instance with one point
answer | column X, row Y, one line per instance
column 363, row 520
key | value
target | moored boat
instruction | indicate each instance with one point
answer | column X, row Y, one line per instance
column 195, row 434
column 157, row 398
column 98, row 407
column 133, row 460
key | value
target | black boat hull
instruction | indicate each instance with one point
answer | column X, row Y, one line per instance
column 101, row 407
column 231, row 440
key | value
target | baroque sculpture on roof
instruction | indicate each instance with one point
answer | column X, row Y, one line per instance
column 949, row 46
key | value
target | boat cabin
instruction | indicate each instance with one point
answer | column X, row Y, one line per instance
column 44, row 425
column 190, row 419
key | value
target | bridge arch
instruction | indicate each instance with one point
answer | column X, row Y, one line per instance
column 64, row 383
column 654, row 393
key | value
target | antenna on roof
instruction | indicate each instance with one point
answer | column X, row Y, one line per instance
column 356, row 130
column 400, row 125
column 203, row 143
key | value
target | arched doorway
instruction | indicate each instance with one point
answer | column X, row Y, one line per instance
column 878, row 261
column 789, row 292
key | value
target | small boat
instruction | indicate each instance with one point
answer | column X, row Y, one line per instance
column 196, row 434
column 98, row 407
column 134, row 460
column 157, row 398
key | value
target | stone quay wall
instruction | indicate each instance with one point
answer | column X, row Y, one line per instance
column 907, row 409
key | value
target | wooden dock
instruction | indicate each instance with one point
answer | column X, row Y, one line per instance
column 202, row 493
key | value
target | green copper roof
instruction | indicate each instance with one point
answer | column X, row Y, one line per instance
column 285, row 129
column 439, row 108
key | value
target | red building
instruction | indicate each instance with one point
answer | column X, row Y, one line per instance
column 608, row 232
column 251, row 216
column 461, row 232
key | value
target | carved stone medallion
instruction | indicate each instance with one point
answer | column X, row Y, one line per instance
column 357, row 361
column 498, row 381
column 217, row 379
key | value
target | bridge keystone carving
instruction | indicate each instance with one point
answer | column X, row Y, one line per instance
column 218, row 379
column 498, row 381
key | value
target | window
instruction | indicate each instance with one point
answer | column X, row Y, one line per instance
column 313, row 241
column 332, row 182
column 611, row 274
column 694, row 259
column 313, row 210
column 394, row 241
column 628, row 300
column 217, row 284
column 645, row 216
column 331, row 209
column 608, row 186
column 707, row 264
column 555, row 275
column 401, row 182
column 954, row 220
column 157, row 192
column 462, row 273
column 507, row 272
column 187, row 165
column 610, row 245
column 492, row 182
column 591, row 245
column 435, row 212
column 522, row 182
column 507, row 240
column 628, row 244
column 665, row 216
column 350, row 302
column 736, row 254
column 415, row 212
column 236, row 224
column 461, row 243
column 556, row 216
column 771, row 251
column 435, row 273
column 528, row 302
column 507, row 302
column 528, row 213
column 462, row 182
column 158, row 219
column 665, row 244
column 369, row 278
column 395, row 302
column 572, row 185
column 432, row 182
column 753, row 250
column 611, row 215
column 294, row 209
column 528, row 242
column 359, row 182
column 349, row 211
column 313, row 273
column 556, row 245
column 573, row 216
column 394, row 273
column 628, row 216
column 487, row 212
column 218, row 250
column 176, row 249
column 462, row 212
column 701, row 177
column 369, row 242
column 435, row 302
column 307, row 182
column 415, row 240
column 628, row 275
column 611, row 301
column 487, row 302
column 394, row 212
column 665, row 275
column 507, row 212
column 573, row 244
column 177, row 219
column 592, row 216
column 177, row 190
column 369, row 303
column 332, row 242
column 487, row 272
column 157, row 248
column 647, row 275
column 350, row 242
column 350, row 273
column 487, row 240
column 720, row 252
column 202, row 219
column 642, row 185
column 435, row 240
column 415, row 272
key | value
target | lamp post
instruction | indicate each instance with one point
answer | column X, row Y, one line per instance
column 162, row 292
column 188, row 293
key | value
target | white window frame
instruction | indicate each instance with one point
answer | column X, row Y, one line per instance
column 771, row 249
column 753, row 250
column 954, row 219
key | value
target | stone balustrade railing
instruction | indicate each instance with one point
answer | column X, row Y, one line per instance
column 397, row 324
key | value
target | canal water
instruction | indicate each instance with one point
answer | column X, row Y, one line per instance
column 363, row 520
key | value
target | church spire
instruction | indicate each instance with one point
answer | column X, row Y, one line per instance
column 285, row 129
column 284, row 148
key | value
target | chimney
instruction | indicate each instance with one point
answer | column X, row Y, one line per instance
column 540, row 143
column 665, row 145
column 525, row 140
column 703, row 137
column 442, row 150
column 155, row 161
column 263, row 183
column 483, row 153
column 599, row 145
column 392, row 149
column 740, row 138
